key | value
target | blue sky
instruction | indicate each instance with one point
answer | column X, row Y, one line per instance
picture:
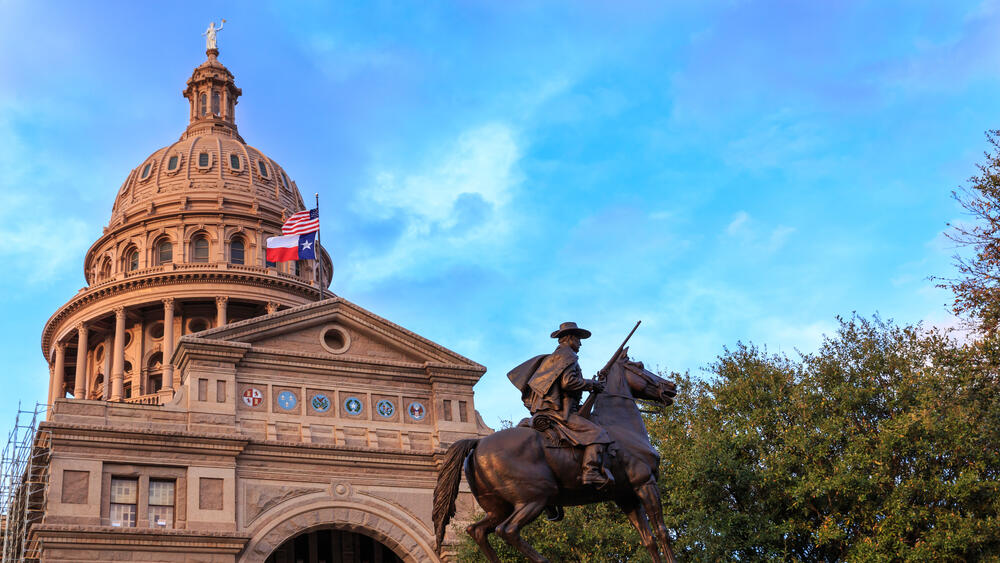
column 724, row 171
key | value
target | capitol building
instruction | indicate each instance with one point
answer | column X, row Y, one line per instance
column 210, row 406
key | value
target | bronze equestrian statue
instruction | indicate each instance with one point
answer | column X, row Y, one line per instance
column 517, row 473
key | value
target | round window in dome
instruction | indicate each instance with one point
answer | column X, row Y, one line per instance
column 173, row 163
column 145, row 170
column 156, row 331
column 335, row 339
column 198, row 325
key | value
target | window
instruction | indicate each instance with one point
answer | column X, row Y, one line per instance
column 203, row 160
column 106, row 268
column 463, row 411
column 284, row 180
column 447, row 409
column 262, row 167
column 215, row 102
column 237, row 251
column 204, row 104
column 234, row 162
column 298, row 268
column 199, row 249
column 145, row 170
column 164, row 252
column 124, row 499
column 161, row 503
column 131, row 260
column 173, row 162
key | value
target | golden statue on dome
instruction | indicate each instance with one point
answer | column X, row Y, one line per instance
column 209, row 34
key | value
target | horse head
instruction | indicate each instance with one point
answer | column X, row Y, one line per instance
column 631, row 378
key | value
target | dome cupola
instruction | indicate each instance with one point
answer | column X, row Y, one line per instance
column 212, row 94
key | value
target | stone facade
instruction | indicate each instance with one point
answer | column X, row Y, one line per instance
column 220, row 410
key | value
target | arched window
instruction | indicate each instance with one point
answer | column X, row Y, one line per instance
column 262, row 167
column 145, row 170
column 106, row 268
column 237, row 251
column 155, row 367
column 203, row 161
column 164, row 252
column 234, row 161
column 199, row 249
column 173, row 162
column 216, row 102
column 204, row 104
column 131, row 260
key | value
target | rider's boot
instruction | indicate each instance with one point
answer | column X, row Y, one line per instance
column 593, row 471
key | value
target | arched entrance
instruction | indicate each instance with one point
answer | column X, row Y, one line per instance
column 332, row 546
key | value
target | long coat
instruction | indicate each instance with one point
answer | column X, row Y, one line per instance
column 551, row 385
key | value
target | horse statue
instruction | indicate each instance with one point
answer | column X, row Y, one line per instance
column 517, row 473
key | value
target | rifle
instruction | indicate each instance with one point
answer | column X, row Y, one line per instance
column 588, row 405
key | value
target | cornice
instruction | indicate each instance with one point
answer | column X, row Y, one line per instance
column 137, row 538
column 322, row 453
column 189, row 349
column 146, row 439
column 161, row 277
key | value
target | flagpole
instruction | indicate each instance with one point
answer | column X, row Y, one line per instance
column 319, row 257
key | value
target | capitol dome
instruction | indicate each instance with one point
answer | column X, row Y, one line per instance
column 183, row 251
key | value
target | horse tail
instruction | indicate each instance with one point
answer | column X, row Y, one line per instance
column 446, row 490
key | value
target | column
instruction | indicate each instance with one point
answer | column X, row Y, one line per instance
column 271, row 307
column 57, row 390
column 80, row 385
column 220, row 310
column 118, row 363
column 168, row 344
column 108, row 343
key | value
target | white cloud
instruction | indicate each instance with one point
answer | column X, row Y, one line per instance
column 737, row 224
column 453, row 209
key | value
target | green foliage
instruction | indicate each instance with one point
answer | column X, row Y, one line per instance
column 882, row 446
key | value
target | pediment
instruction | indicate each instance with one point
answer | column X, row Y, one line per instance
column 337, row 328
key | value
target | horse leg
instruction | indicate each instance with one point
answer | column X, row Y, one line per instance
column 480, row 532
column 510, row 529
column 637, row 516
column 649, row 495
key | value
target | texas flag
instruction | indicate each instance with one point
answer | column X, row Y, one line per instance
column 291, row 247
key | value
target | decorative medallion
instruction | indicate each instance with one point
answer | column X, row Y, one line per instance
column 252, row 397
column 320, row 402
column 353, row 406
column 287, row 400
column 417, row 411
column 385, row 408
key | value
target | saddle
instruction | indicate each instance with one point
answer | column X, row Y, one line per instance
column 548, row 427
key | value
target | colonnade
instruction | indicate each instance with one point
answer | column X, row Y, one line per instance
column 114, row 384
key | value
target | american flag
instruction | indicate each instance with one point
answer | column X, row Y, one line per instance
column 301, row 223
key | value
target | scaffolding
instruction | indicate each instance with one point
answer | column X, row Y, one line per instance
column 25, row 474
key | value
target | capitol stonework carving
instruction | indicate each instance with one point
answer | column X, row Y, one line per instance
column 218, row 409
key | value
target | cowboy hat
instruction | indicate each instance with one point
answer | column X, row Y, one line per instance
column 571, row 328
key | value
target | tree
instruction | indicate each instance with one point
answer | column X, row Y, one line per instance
column 977, row 287
column 882, row 446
